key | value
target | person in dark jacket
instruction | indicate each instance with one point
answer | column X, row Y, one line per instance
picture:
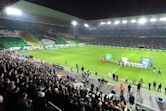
column 40, row 101
column 129, row 88
column 159, row 87
column 149, row 85
column 1, row 103
column 154, row 85
column 23, row 103
column 138, row 87
column 131, row 99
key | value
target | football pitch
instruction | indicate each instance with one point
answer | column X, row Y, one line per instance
column 89, row 57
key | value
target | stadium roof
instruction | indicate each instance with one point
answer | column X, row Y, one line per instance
column 100, row 9
column 36, row 9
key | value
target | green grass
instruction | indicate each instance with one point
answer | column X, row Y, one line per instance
column 90, row 56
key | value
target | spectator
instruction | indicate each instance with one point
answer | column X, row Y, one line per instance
column 40, row 101
column 23, row 103
column 131, row 99
column 1, row 103
column 121, row 88
column 41, row 87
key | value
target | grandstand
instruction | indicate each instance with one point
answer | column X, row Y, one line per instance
column 8, row 42
column 52, row 61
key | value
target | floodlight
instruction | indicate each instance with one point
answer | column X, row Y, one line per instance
column 74, row 23
column 142, row 21
column 124, row 22
column 86, row 25
column 102, row 23
column 133, row 21
column 109, row 22
column 13, row 11
column 116, row 22
column 153, row 20
column 163, row 19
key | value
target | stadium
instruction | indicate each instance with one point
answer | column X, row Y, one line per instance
column 53, row 61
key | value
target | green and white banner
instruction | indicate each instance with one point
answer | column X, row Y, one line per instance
column 55, row 46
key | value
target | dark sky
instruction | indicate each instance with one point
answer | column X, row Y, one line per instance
column 97, row 9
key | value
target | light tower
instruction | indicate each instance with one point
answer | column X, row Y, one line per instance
column 74, row 24
column 13, row 11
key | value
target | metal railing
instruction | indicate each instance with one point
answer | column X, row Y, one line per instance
column 54, row 106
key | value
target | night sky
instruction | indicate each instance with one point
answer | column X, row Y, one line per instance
column 99, row 9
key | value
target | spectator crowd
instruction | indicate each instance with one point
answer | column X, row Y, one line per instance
column 133, row 42
column 23, row 87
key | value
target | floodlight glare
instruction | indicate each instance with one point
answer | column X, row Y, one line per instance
column 163, row 19
column 13, row 11
column 74, row 23
column 102, row 23
column 109, row 22
column 153, row 20
column 86, row 25
column 142, row 20
column 116, row 22
column 124, row 22
column 133, row 21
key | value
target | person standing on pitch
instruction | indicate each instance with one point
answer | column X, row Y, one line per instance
column 96, row 73
column 159, row 87
column 82, row 69
column 71, row 69
column 138, row 87
column 141, row 81
column 113, row 76
column 117, row 77
column 159, row 71
column 65, row 62
column 154, row 69
column 154, row 85
column 126, row 79
column 129, row 88
column 149, row 85
column 77, row 68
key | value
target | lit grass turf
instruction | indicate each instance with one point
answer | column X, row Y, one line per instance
column 89, row 57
